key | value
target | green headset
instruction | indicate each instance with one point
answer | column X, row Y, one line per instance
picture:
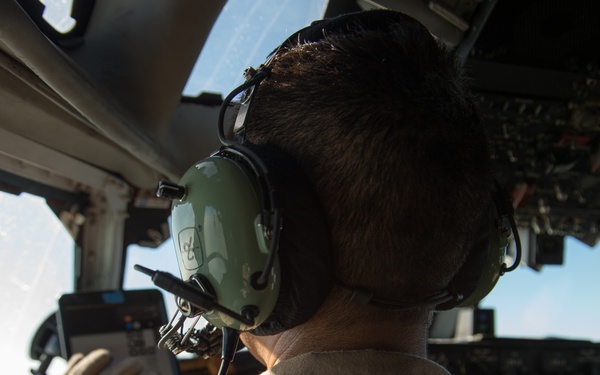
column 250, row 233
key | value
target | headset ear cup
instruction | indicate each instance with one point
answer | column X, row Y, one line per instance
column 304, row 246
column 481, row 270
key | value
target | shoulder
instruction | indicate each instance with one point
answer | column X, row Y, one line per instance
column 357, row 362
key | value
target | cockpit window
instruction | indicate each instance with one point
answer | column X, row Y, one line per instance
column 243, row 35
column 58, row 15
column 63, row 21
column 36, row 267
column 556, row 302
column 162, row 258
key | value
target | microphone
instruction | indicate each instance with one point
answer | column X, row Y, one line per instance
column 204, row 342
column 190, row 293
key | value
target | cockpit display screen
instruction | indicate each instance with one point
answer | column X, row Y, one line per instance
column 126, row 323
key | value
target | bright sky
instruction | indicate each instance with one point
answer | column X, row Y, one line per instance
column 36, row 253
column 560, row 301
column 245, row 33
column 36, row 267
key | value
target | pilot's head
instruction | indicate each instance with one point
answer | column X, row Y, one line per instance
column 376, row 112
column 353, row 197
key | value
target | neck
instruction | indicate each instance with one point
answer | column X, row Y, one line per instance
column 319, row 336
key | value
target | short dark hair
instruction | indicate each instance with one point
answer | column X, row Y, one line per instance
column 383, row 124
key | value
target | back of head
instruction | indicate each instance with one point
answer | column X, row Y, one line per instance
column 379, row 117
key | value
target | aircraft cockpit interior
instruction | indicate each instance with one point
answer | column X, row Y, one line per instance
column 101, row 101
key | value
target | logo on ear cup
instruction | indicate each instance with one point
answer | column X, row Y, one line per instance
column 190, row 249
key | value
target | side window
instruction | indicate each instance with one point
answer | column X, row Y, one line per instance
column 162, row 258
column 63, row 21
column 36, row 267
column 58, row 14
column 558, row 301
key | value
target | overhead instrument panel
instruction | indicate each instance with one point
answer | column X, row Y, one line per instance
column 535, row 69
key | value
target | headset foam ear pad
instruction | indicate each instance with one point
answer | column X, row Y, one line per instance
column 481, row 269
column 304, row 246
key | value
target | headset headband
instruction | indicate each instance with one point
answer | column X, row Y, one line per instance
column 374, row 20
